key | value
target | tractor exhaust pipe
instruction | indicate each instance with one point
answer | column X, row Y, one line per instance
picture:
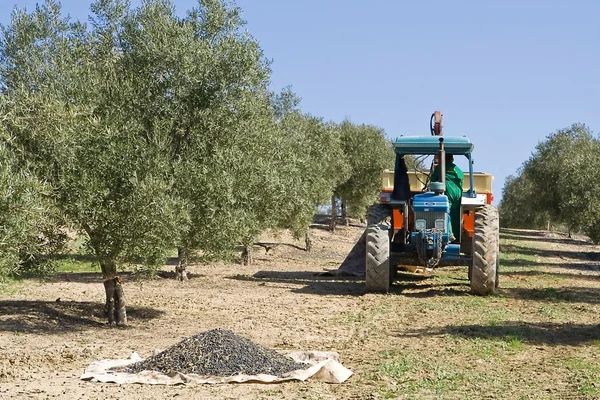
column 442, row 162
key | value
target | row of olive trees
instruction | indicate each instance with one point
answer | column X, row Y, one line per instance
column 144, row 131
column 557, row 184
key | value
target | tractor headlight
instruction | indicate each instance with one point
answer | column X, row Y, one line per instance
column 440, row 224
column 420, row 224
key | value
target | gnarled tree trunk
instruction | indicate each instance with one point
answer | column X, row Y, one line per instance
column 182, row 261
column 115, row 297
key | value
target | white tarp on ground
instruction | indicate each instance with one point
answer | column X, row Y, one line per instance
column 321, row 366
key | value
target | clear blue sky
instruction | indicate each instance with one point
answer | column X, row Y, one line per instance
column 505, row 73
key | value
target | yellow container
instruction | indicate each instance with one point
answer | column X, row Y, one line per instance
column 481, row 181
column 417, row 179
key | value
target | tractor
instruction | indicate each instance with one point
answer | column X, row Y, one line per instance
column 411, row 225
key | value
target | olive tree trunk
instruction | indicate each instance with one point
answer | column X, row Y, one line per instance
column 247, row 255
column 333, row 221
column 182, row 262
column 308, row 241
column 115, row 297
column 345, row 213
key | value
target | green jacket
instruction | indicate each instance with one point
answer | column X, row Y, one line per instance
column 454, row 184
column 454, row 180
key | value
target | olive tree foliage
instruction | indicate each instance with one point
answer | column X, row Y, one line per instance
column 313, row 166
column 243, row 160
column 580, row 208
column 518, row 207
column 201, row 82
column 561, row 169
column 368, row 153
column 69, row 91
column 27, row 218
column 558, row 183
column 580, row 203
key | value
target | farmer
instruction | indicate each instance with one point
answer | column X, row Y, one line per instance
column 454, row 185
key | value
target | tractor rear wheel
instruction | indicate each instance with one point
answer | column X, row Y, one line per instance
column 483, row 271
column 378, row 272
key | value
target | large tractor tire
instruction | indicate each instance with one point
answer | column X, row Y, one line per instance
column 378, row 274
column 483, row 271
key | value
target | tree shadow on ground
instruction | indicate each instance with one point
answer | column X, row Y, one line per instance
column 173, row 275
column 87, row 277
column 523, row 263
column 559, row 275
column 267, row 246
column 562, row 294
column 50, row 317
column 83, row 277
column 593, row 256
column 322, row 222
column 126, row 276
column 320, row 227
column 538, row 333
column 523, row 232
column 315, row 283
column 432, row 289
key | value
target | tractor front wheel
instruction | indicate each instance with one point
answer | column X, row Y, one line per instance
column 483, row 271
column 378, row 274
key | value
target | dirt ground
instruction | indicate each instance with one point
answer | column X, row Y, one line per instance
column 538, row 337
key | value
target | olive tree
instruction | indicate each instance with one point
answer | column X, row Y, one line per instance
column 560, row 169
column 314, row 164
column 576, row 184
column 201, row 82
column 231, row 158
column 67, row 89
column 519, row 208
column 554, row 184
column 368, row 153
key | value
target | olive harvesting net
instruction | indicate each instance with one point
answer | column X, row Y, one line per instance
column 219, row 356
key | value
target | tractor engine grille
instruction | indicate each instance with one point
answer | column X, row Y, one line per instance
column 430, row 217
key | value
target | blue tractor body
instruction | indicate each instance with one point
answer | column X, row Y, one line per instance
column 424, row 238
column 430, row 237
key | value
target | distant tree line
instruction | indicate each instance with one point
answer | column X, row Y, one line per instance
column 557, row 185
column 143, row 131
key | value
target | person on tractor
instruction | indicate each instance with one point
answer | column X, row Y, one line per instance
column 454, row 189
